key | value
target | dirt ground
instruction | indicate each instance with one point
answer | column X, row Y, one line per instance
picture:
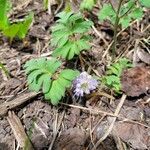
column 78, row 125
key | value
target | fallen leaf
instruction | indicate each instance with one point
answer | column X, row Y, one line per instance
column 135, row 135
column 135, row 81
column 71, row 139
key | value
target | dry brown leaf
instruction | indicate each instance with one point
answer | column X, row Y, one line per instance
column 135, row 81
column 135, row 135
column 71, row 139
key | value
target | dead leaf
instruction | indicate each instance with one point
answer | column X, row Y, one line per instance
column 143, row 55
column 135, row 135
column 135, row 81
column 71, row 139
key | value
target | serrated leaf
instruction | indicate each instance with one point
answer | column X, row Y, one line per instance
column 125, row 21
column 39, row 73
column 33, row 75
column 63, row 51
column 53, row 94
column 45, row 82
column 112, row 77
column 63, row 82
column 106, row 12
column 34, row 86
column 65, row 35
column 53, row 65
column 145, row 3
column 137, row 13
column 83, row 44
column 87, row 4
column 64, row 16
column 69, row 74
column 82, row 27
column 75, row 17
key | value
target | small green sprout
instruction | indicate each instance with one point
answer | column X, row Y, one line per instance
column 113, row 74
column 13, row 30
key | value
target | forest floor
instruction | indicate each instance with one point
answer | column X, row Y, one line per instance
column 99, row 120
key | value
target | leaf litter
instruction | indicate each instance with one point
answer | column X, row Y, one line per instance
column 75, row 129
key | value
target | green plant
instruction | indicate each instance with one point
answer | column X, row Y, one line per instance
column 127, row 12
column 112, row 77
column 4, row 69
column 68, row 35
column 44, row 74
column 13, row 30
column 87, row 4
column 123, row 15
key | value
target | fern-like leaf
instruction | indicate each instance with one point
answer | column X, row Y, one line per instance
column 68, row 35
column 112, row 77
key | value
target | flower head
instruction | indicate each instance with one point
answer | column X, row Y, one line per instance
column 84, row 84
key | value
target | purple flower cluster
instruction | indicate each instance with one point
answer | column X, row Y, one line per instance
column 84, row 84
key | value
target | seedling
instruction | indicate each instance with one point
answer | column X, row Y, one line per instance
column 69, row 35
column 112, row 77
column 2, row 67
column 13, row 30
column 45, row 75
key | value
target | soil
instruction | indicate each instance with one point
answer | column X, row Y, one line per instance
column 80, row 127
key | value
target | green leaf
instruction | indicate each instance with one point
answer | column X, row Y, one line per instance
column 125, row 21
column 112, row 77
column 45, row 82
column 87, row 4
column 137, row 13
column 106, row 12
column 4, row 8
column 24, row 26
column 56, row 92
column 40, row 72
column 43, row 74
column 69, row 74
column 68, row 35
column 12, row 31
column 52, row 66
column 18, row 29
column 63, row 82
column 145, row 3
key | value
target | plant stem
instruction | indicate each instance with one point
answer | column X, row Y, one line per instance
column 4, row 69
column 116, row 27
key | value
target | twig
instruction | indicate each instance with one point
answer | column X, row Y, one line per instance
column 97, row 112
column 56, row 130
column 109, row 46
column 101, row 37
column 18, row 130
column 116, row 27
column 113, row 122
column 4, row 107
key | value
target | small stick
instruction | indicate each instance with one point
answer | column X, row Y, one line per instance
column 56, row 130
column 4, row 107
column 19, row 132
column 113, row 122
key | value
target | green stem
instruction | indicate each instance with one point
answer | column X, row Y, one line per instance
column 4, row 69
column 116, row 27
